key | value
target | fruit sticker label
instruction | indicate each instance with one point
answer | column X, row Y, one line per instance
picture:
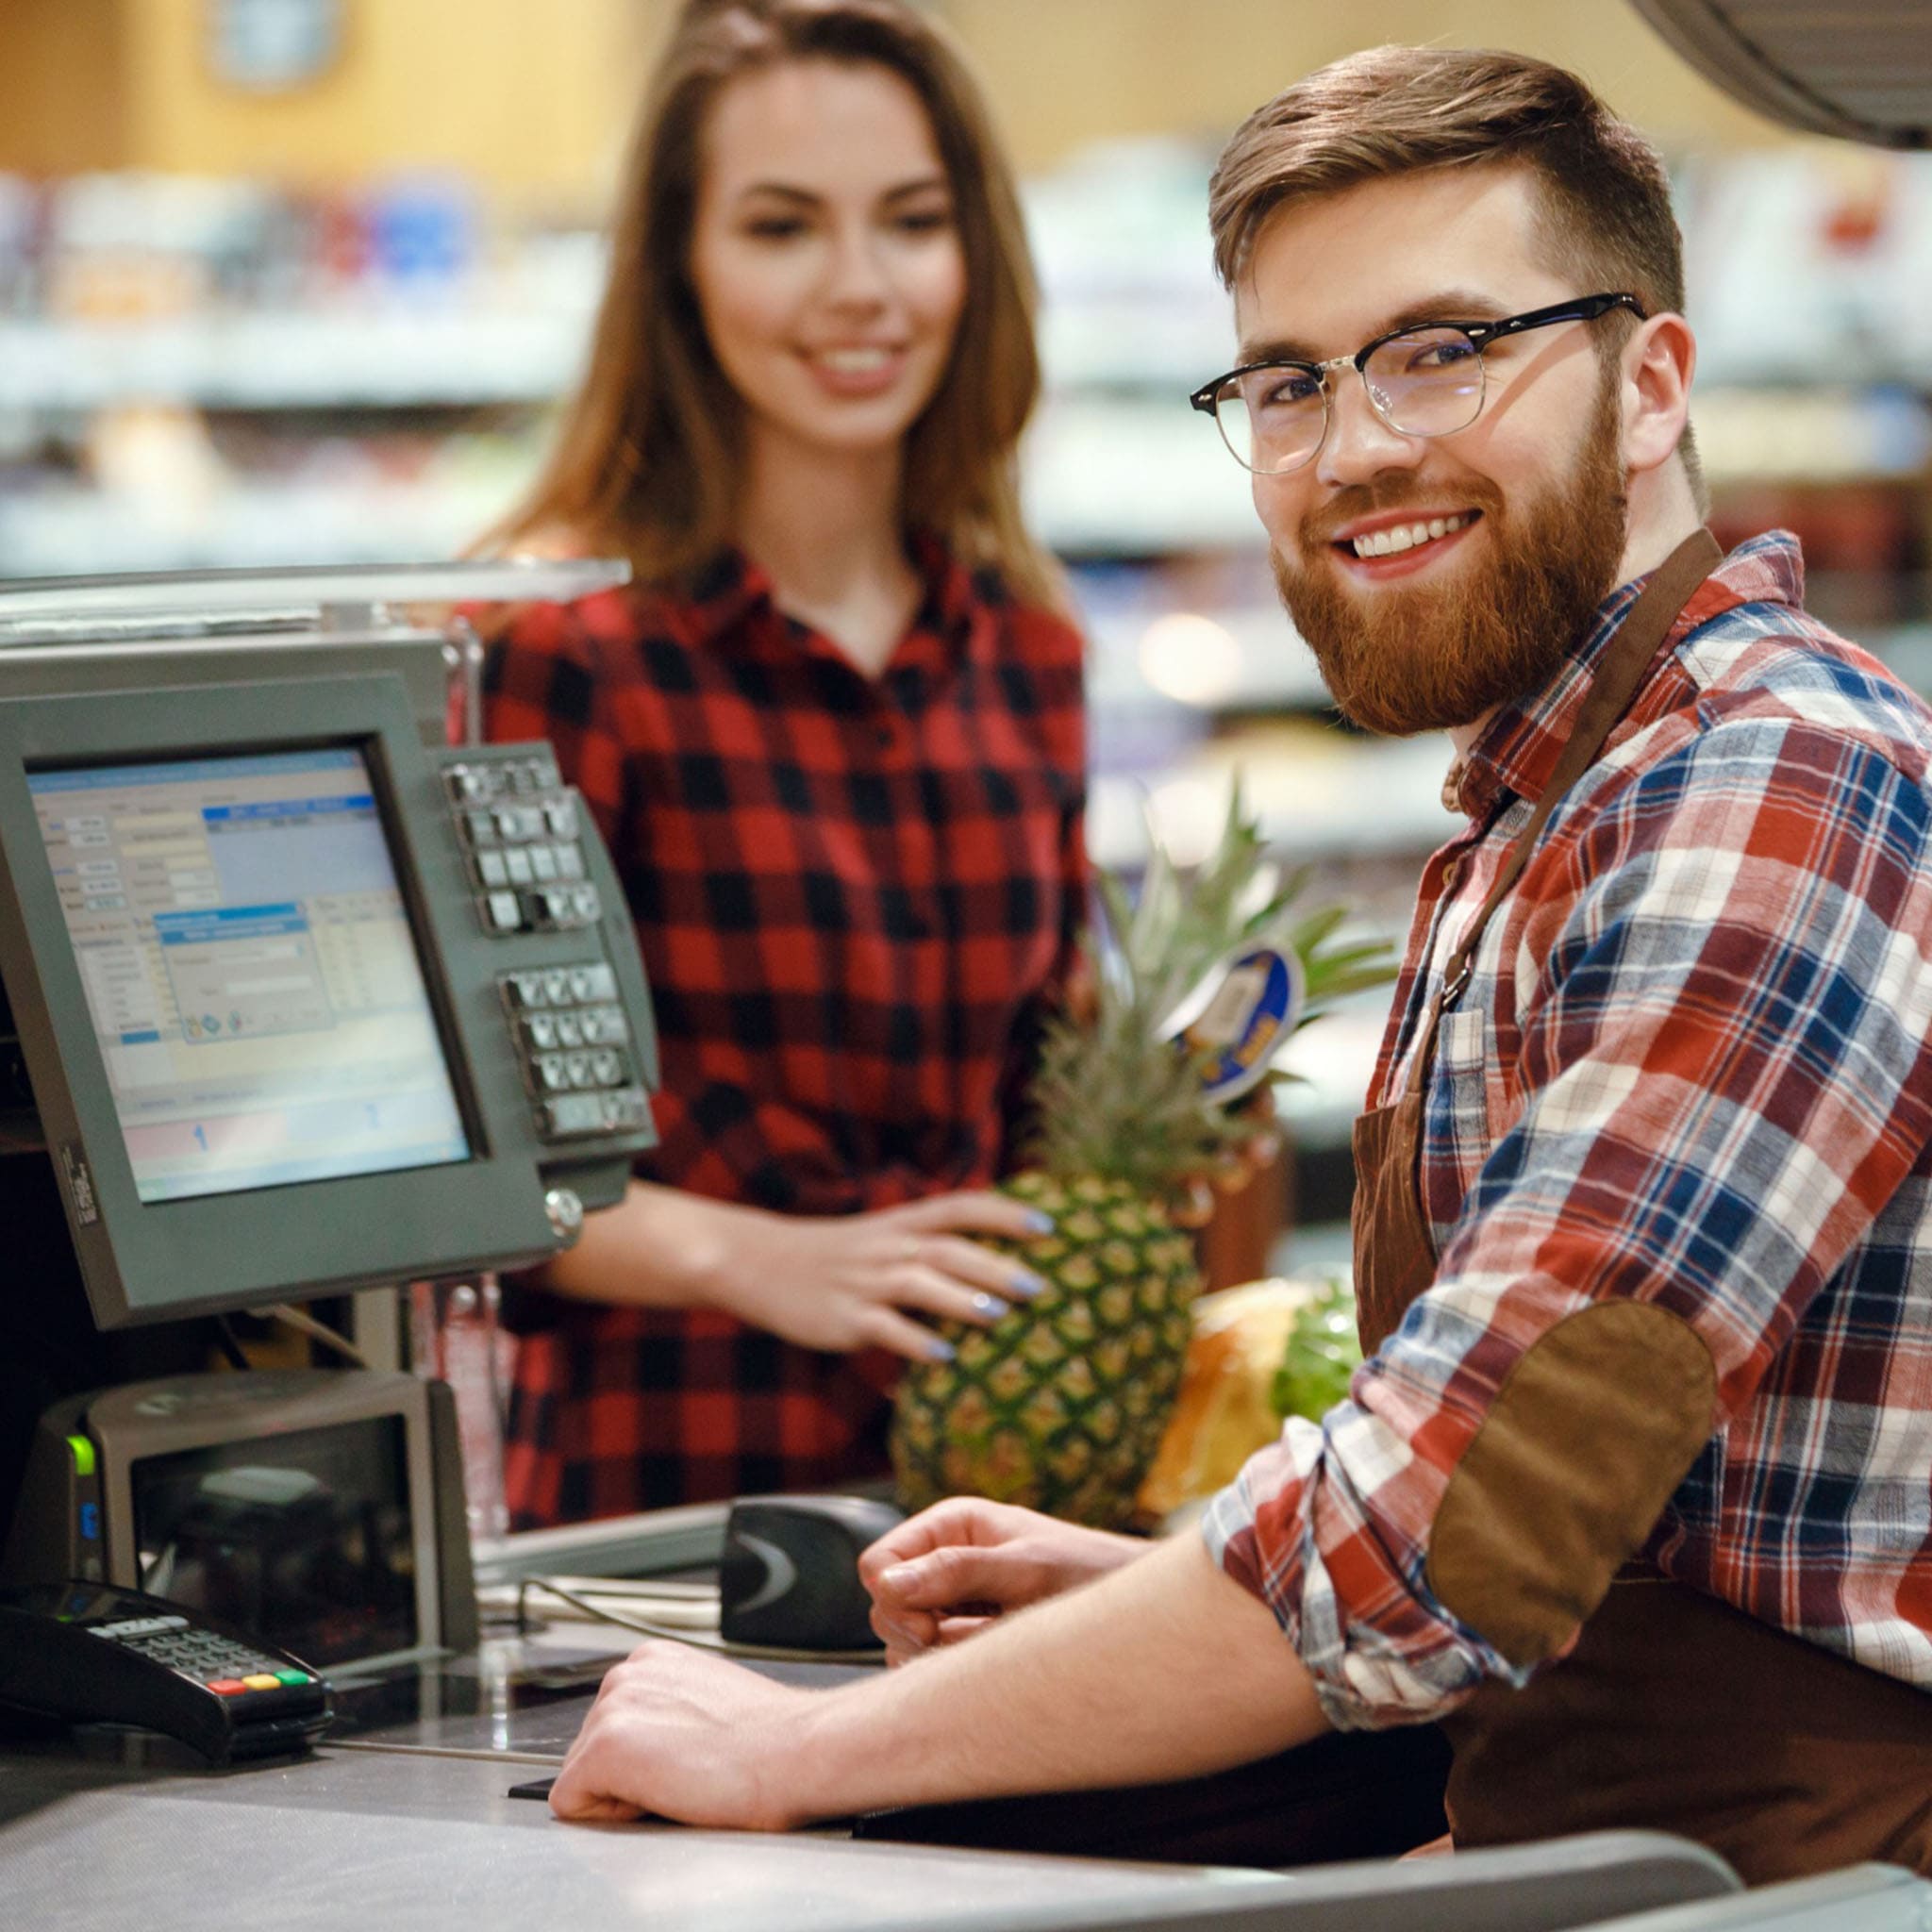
column 1239, row 1014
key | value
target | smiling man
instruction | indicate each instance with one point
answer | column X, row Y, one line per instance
column 1633, row 1490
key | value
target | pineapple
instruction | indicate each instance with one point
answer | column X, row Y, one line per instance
column 1061, row 1403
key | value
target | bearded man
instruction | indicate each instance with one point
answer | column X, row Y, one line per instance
column 1632, row 1492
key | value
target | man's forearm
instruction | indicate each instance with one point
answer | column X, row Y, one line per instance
column 1164, row 1669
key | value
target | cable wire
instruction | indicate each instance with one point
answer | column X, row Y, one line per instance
column 698, row 1639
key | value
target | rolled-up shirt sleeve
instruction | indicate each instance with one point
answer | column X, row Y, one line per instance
column 1701, row 1069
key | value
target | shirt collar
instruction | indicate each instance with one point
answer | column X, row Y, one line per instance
column 730, row 587
column 1517, row 750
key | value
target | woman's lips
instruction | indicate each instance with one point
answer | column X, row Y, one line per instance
column 855, row 371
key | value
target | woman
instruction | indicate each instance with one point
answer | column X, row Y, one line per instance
column 834, row 738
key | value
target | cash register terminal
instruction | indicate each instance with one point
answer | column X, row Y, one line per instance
column 295, row 1000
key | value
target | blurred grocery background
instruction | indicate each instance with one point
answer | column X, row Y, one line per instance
column 299, row 280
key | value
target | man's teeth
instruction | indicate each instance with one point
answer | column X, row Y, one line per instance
column 855, row 361
column 1406, row 536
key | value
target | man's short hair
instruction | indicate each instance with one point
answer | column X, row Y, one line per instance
column 1604, row 200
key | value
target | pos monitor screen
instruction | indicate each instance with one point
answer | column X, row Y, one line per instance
column 256, row 995
column 270, row 1016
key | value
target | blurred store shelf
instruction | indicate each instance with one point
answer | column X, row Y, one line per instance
column 292, row 359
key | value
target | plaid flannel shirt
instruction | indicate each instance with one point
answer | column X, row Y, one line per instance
column 1693, row 1066
column 852, row 896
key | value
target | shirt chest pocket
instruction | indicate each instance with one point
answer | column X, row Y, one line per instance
column 1462, row 1120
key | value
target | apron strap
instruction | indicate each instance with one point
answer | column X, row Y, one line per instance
column 1626, row 659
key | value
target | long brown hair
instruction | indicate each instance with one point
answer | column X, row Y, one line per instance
column 649, row 457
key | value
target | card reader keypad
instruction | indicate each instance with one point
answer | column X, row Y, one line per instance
column 521, row 831
column 218, row 1663
column 575, row 1047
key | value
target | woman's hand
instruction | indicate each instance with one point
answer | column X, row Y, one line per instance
column 949, row 1571
column 835, row 1282
column 856, row 1281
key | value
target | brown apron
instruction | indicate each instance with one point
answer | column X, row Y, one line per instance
column 1674, row 1710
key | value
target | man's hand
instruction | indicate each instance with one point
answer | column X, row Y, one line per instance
column 952, row 1568
column 691, row 1737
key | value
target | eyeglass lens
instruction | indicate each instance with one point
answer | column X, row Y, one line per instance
column 1426, row 382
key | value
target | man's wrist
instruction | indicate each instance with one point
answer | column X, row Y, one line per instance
column 827, row 1758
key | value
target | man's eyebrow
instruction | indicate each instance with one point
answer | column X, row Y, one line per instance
column 805, row 197
column 1444, row 305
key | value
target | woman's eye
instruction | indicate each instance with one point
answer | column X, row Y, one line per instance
column 774, row 227
column 925, row 220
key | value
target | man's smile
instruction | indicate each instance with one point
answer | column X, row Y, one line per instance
column 1399, row 544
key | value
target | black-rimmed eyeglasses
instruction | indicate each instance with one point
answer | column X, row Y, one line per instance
column 1425, row 380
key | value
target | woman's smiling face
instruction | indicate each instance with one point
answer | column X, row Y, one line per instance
column 826, row 257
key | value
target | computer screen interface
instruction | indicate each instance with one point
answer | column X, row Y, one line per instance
column 250, row 970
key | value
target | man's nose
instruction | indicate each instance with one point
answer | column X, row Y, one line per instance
column 1359, row 444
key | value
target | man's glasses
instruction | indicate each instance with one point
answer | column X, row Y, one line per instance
column 1423, row 380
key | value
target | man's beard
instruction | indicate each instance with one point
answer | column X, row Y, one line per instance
column 1402, row 661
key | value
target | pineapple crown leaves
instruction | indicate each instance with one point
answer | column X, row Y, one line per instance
column 1112, row 1097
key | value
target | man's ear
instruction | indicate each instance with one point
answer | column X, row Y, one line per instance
column 1658, row 361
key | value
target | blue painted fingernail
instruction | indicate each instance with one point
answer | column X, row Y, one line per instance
column 940, row 1349
column 1026, row 1283
column 1038, row 1221
column 991, row 1307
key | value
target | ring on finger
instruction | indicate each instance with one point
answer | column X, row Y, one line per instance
column 990, row 1306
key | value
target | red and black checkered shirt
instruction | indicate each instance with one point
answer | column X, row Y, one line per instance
column 854, row 897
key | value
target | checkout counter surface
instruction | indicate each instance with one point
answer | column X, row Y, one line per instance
column 406, row 1823
column 412, row 1842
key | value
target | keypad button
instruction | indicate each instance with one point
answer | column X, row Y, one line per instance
column 625, row 1110
column 606, row 1066
column 502, row 913
column 516, row 864
column 228, row 1687
column 578, row 1065
column 263, row 1680
column 542, row 863
column 552, row 1073
column 560, row 816
column 571, row 1114
column 526, row 990
column 570, row 1030
column 292, row 1677
column 557, row 985
column 492, row 869
column 601, row 982
column 569, row 861
column 585, row 904
column 481, row 826
column 540, row 1029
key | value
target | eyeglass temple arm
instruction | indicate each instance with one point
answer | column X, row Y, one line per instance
column 1483, row 333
